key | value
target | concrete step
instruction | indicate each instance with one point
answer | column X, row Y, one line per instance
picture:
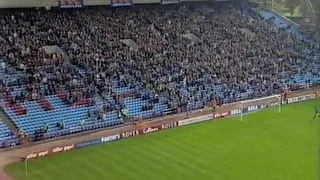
column 12, row 126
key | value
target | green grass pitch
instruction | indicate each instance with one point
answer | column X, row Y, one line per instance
column 266, row 146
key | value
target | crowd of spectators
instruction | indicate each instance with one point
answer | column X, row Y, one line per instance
column 166, row 63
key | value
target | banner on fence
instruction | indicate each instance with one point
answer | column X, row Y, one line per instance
column 121, row 3
column 170, row 111
column 170, row 1
column 70, row 3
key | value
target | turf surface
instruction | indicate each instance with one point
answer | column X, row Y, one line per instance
column 266, row 146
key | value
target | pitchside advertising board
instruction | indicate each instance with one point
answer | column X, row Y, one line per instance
column 203, row 118
column 301, row 98
column 88, row 143
column 149, row 130
column 195, row 120
column 110, row 138
column 254, row 108
column 107, row 139
column 47, row 152
column 102, row 140
column 271, row 104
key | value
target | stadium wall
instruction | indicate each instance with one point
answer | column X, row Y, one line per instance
column 80, row 3
column 145, row 1
column 27, row 3
column 318, row 25
column 142, row 129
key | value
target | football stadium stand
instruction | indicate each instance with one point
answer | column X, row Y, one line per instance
column 67, row 71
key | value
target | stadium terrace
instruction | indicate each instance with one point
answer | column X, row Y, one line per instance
column 72, row 71
column 68, row 71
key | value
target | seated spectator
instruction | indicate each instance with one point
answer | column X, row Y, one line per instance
column 21, row 134
column 38, row 134
column 104, row 116
column 89, row 113
column 82, row 122
column 61, row 125
column 45, row 128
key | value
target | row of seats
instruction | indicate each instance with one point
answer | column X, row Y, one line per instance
column 312, row 65
column 71, row 116
column 7, row 137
